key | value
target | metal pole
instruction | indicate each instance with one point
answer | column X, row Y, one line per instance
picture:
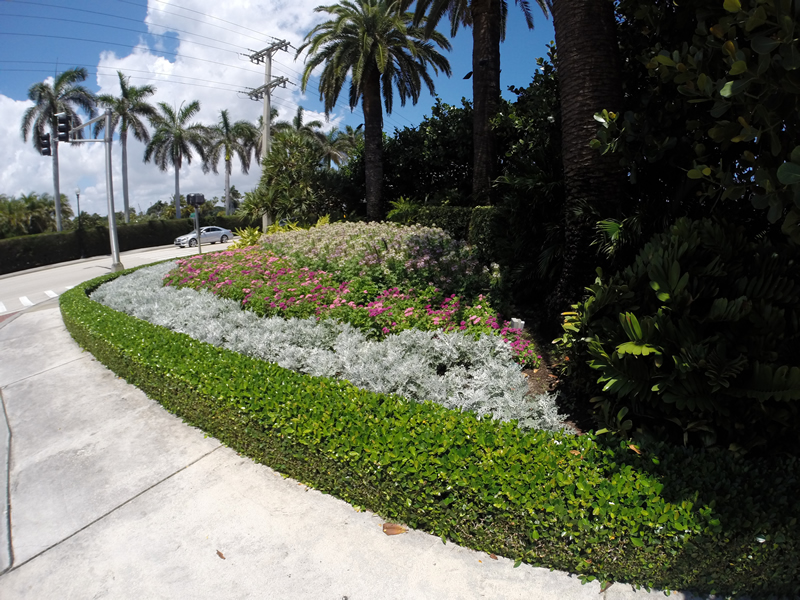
column 197, row 226
column 116, row 265
column 80, row 229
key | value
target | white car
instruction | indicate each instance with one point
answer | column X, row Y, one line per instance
column 208, row 235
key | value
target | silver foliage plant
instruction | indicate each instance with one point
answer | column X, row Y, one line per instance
column 452, row 369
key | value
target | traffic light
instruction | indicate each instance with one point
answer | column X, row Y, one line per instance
column 44, row 143
column 63, row 128
column 195, row 199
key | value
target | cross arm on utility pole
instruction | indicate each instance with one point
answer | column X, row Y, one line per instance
column 259, row 92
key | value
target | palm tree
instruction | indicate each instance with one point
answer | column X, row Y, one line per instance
column 334, row 148
column 13, row 217
column 231, row 138
column 173, row 141
column 376, row 44
column 589, row 80
column 40, row 212
column 488, row 21
column 63, row 96
column 312, row 129
column 129, row 108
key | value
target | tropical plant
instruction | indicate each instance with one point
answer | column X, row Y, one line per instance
column 227, row 139
column 64, row 95
column 697, row 338
column 174, row 139
column 247, row 236
column 376, row 45
column 128, row 111
column 488, row 21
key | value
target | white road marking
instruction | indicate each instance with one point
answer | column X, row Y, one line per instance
column 2, row 307
column 51, row 293
column 25, row 301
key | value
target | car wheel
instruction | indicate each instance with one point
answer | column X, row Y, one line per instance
column 223, row 239
column 192, row 243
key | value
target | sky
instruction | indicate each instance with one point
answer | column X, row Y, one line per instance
column 191, row 50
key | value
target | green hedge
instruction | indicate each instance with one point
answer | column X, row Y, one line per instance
column 29, row 251
column 661, row 517
column 452, row 219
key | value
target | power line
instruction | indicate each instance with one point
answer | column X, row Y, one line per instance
column 62, row 37
column 260, row 39
column 113, row 16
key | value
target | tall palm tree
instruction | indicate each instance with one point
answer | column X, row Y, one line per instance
column 63, row 96
column 173, row 141
column 228, row 139
column 40, row 211
column 129, row 108
column 376, row 44
column 312, row 129
column 488, row 21
column 589, row 80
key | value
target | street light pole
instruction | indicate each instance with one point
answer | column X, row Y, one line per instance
column 80, row 229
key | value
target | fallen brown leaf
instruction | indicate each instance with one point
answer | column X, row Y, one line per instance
column 493, row 556
column 575, row 452
column 221, row 555
column 393, row 529
column 553, row 376
column 634, row 448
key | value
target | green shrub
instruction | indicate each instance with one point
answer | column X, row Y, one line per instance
column 700, row 334
column 487, row 232
column 657, row 516
column 454, row 220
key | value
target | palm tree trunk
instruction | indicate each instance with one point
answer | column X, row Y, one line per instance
column 373, row 145
column 56, row 189
column 123, row 138
column 228, row 210
column 177, row 198
column 486, row 94
column 589, row 78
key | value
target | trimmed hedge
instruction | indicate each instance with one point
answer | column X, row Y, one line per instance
column 29, row 251
column 663, row 517
column 454, row 220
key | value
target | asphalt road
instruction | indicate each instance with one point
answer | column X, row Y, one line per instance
column 28, row 288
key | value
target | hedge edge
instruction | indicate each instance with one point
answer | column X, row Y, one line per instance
column 572, row 503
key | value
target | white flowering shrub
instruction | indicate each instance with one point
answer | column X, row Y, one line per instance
column 453, row 369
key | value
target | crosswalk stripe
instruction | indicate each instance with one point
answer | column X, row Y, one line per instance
column 25, row 301
column 51, row 293
column 2, row 307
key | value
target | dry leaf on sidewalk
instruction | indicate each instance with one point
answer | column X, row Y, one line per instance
column 493, row 556
column 221, row 555
column 393, row 529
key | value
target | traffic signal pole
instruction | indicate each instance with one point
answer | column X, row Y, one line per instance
column 116, row 265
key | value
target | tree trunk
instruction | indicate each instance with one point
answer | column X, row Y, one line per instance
column 177, row 198
column 589, row 78
column 373, row 145
column 485, row 93
column 228, row 210
column 123, row 138
column 56, row 189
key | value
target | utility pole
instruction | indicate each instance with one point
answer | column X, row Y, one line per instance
column 265, row 56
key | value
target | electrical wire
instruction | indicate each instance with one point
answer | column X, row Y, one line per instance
column 201, row 21
column 113, row 16
column 63, row 37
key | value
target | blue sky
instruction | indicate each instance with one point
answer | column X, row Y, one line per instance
column 189, row 49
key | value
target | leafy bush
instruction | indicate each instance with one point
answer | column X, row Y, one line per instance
column 701, row 332
column 248, row 236
column 455, row 369
column 383, row 255
column 454, row 220
column 657, row 516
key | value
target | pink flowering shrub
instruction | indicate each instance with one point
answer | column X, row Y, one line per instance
column 270, row 285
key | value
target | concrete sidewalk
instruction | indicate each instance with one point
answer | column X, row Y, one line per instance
column 110, row 496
